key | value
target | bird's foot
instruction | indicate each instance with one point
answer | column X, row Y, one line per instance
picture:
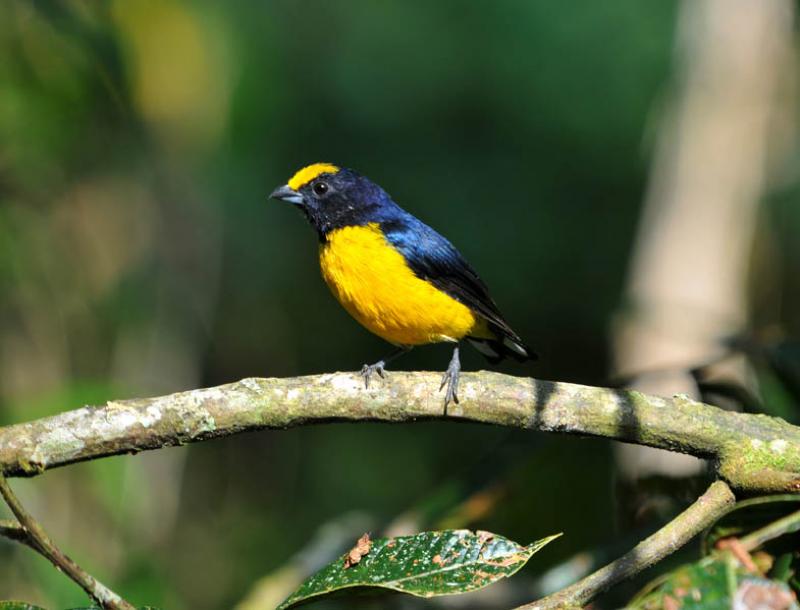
column 368, row 370
column 450, row 379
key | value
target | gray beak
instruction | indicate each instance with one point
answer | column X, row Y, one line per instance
column 284, row 193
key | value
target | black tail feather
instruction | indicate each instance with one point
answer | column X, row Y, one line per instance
column 495, row 350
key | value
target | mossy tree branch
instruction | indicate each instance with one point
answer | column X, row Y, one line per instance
column 752, row 452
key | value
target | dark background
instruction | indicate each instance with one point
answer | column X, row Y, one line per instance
column 139, row 255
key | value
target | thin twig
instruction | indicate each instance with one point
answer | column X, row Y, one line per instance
column 755, row 453
column 716, row 501
column 786, row 525
column 14, row 531
column 36, row 538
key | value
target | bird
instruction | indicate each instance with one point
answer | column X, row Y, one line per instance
column 397, row 276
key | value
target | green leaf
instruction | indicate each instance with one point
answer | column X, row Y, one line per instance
column 715, row 583
column 696, row 586
column 426, row 564
column 9, row 605
column 782, row 570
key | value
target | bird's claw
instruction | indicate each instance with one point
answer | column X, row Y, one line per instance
column 369, row 369
column 450, row 379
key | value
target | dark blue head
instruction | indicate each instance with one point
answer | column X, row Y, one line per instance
column 332, row 198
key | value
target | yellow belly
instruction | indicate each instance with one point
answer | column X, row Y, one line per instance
column 375, row 285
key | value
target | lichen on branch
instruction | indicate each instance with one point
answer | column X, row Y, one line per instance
column 752, row 452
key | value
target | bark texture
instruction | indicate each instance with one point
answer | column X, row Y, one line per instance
column 751, row 452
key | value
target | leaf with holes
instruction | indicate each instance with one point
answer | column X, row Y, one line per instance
column 425, row 565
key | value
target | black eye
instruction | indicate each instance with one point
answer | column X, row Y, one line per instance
column 320, row 188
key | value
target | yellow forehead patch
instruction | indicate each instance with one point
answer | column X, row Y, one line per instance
column 308, row 173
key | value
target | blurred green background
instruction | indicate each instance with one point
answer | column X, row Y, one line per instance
column 139, row 255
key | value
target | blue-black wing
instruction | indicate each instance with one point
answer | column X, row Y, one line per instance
column 434, row 259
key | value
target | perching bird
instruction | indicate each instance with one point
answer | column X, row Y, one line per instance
column 395, row 275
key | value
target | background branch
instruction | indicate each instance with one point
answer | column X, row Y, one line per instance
column 14, row 531
column 714, row 503
column 752, row 452
column 32, row 534
column 788, row 524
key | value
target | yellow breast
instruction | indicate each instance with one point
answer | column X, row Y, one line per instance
column 375, row 285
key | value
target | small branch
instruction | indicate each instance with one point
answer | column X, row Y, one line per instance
column 13, row 531
column 31, row 533
column 786, row 525
column 752, row 452
column 715, row 502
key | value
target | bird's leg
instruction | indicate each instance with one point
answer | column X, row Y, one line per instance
column 451, row 379
column 369, row 369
